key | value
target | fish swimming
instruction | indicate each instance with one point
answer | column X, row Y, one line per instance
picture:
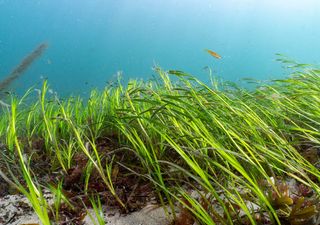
column 23, row 66
column 214, row 54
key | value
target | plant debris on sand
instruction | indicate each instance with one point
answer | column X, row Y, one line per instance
column 208, row 154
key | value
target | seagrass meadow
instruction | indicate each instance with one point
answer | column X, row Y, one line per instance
column 211, row 153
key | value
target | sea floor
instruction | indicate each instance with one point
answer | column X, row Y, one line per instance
column 15, row 210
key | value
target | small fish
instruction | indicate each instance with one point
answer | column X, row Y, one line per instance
column 206, row 68
column 214, row 54
column 178, row 73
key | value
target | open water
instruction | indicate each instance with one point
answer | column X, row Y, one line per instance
column 89, row 41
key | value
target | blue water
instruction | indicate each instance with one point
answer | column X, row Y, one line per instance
column 91, row 40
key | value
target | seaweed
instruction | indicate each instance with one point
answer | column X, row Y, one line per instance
column 227, row 155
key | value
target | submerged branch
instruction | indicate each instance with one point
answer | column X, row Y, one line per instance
column 23, row 66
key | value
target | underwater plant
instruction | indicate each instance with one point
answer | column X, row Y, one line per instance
column 208, row 153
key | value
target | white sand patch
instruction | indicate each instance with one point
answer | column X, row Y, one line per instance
column 16, row 210
column 14, row 207
column 143, row 217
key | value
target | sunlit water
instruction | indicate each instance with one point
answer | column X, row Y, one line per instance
column 90, row 41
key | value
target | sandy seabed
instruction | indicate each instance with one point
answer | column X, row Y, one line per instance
column 15, row 210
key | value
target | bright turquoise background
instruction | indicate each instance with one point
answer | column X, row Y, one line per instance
column 90, row 40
